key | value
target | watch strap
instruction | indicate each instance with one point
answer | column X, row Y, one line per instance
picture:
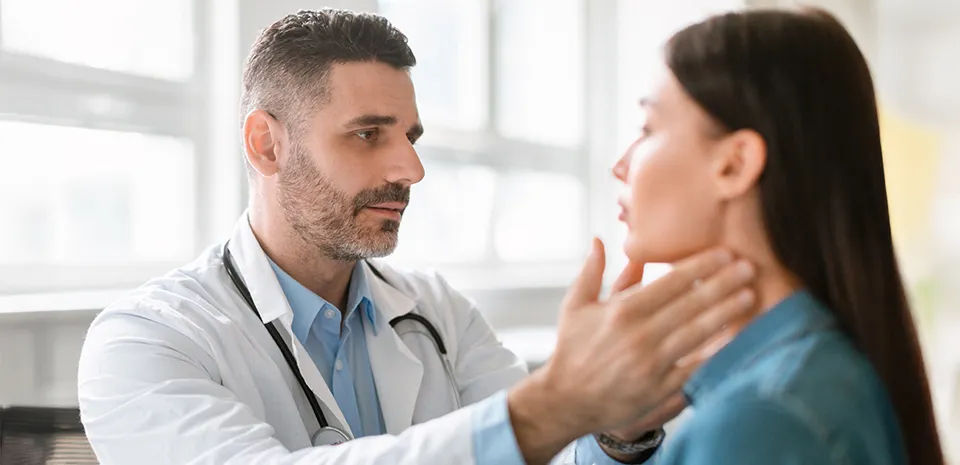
column 648, row 441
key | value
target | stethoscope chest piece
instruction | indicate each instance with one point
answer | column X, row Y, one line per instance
column 329, row 436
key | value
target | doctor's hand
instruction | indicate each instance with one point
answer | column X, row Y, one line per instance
column 632, row 275
column 617, row 360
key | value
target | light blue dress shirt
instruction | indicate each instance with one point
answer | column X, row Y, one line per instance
column 494, row 442
column 344, row 362
column 341, row 357
column 790, row 389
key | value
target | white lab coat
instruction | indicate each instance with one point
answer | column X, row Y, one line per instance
column 182, row 371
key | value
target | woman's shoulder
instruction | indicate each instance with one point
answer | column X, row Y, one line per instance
column 746, row 430
column 814, row 398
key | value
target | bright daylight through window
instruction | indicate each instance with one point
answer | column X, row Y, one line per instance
column 100, row 141
column 501, row 93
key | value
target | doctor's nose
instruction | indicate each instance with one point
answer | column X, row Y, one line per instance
column 405, row 166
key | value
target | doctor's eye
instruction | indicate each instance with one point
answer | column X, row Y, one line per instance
column 367, row 135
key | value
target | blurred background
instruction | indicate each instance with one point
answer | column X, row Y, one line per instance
column 120, row 155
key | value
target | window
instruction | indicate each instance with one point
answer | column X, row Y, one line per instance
column 501, row 90
column 157, row 36
column 101, row 141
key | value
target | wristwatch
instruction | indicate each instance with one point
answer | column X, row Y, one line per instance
column 646, row 442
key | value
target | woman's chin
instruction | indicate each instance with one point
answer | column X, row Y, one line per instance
column 646, row 252
column 638, row 251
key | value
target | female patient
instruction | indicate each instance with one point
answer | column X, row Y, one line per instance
column 762, row 136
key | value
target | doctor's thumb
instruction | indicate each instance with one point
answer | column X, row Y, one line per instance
column 586, row 288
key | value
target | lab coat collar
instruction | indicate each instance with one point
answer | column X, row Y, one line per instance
column 255, row 270
column 396, row 370
column 390, row 301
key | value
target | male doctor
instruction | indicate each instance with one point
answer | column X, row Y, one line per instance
column 185, row 370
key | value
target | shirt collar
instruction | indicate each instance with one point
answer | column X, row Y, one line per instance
column 798, row 314
column 305, row 304
column 359, row 296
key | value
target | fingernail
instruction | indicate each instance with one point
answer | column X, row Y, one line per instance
column 745, row 269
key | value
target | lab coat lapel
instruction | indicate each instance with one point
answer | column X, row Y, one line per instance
column 314, row 379
column 396, row 370
column 259, row 277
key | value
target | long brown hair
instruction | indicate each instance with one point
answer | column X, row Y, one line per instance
column 800, row 81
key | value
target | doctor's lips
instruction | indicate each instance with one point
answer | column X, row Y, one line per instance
column 389, row 200
column 393, row 210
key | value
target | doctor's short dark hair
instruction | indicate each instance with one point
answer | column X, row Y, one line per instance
column 290, row 62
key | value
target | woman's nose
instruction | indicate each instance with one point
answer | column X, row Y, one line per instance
column 622, row 167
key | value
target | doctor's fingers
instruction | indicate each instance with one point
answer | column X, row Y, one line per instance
column 685, row 337
column 631, row 275
column 675, row 358
column 640, row 300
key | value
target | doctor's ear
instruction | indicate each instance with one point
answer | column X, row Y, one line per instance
column 740, row 160
column 263, row 138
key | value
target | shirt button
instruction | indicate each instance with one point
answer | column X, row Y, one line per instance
column 338, row 365
column 329, row 313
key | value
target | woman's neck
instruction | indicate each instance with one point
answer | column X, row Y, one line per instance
column 774, row 284
column 745, row 234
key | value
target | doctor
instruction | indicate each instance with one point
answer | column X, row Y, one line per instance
column 286, row 345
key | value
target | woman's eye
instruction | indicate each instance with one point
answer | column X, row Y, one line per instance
column 368, row 135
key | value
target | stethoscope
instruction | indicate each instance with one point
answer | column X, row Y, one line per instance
column 330, row 435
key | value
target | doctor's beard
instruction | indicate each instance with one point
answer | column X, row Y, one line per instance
column 323, row 216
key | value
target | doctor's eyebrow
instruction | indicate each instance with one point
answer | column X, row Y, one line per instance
column 372, row 120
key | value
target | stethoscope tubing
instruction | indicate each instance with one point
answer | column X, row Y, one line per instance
column 291, row 361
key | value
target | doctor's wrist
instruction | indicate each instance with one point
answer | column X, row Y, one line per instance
column 540, row 423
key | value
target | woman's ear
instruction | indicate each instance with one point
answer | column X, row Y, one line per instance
column 739, row 162
column 263, row 137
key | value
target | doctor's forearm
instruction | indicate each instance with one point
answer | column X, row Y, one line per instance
column 541, row 424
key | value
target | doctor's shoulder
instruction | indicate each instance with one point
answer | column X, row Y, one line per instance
column 182, row 301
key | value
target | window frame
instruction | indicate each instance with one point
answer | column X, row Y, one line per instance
column 488, row 148
column 35, row 89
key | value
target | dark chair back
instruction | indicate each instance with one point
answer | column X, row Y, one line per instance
column 43, row 436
